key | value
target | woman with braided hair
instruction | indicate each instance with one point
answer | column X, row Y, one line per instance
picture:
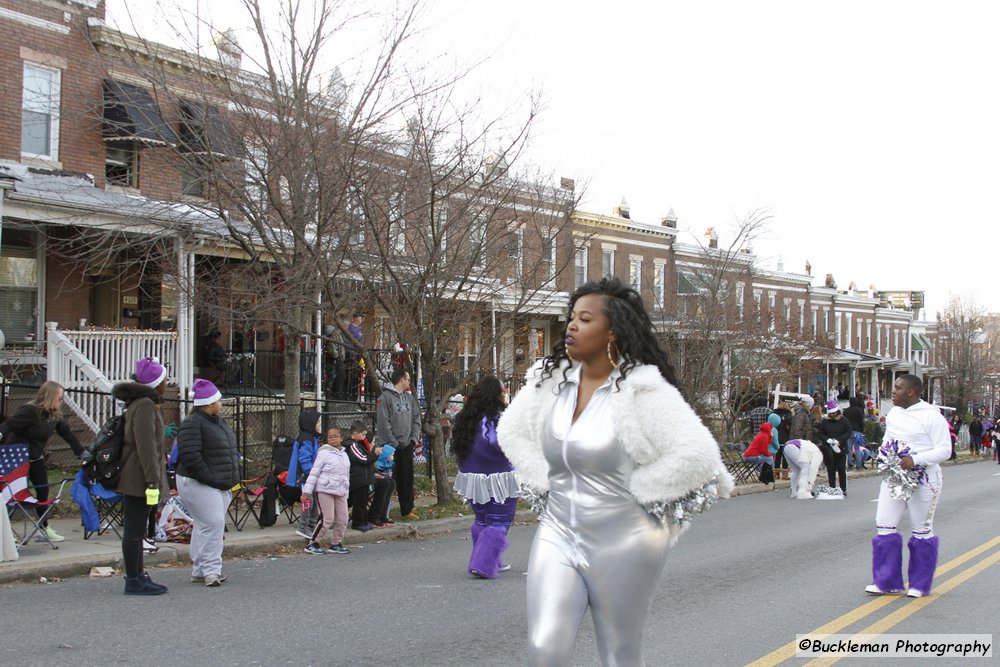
column 617, row 463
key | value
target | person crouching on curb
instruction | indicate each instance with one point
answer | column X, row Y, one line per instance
column 330, row 480
column 144, row 471
column 914, row 424
column 803, row 459
column 208, row 467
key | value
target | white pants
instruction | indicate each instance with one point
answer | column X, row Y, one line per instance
column 920, row 507
column 207, row 507
column 803, row 466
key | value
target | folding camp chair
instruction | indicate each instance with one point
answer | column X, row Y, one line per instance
column 282, row 450
column 20, row 504
column 100, row 509
column 246, row 500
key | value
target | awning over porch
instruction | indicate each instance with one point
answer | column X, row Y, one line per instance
column 131, row 114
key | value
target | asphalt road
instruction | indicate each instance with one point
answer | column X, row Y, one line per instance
column 750, row 575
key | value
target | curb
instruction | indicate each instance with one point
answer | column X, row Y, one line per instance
column 179, row 554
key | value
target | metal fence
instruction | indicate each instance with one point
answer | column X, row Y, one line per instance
column 256, row 421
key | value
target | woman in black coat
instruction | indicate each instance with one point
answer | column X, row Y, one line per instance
column 834, row 427
column 208, row 466
column 33, row 424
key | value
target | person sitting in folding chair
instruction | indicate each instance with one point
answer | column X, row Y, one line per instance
column 303, row 455
column 144, row 471
column 33, row 424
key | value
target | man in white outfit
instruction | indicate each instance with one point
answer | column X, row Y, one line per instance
column 920, row 427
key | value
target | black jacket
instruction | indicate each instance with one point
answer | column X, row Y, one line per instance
column 207, row 451
column 855, row 416
column 835, row 428
column 362, row 462
column 33, row 427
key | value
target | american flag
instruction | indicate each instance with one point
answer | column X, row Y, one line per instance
column 14, row 474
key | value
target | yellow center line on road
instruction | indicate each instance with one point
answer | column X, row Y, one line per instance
column 915, row 605
column 788, row 650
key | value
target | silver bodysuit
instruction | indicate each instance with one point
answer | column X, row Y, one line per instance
column 595, row 546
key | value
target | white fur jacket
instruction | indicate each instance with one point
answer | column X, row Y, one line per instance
column 679, row 471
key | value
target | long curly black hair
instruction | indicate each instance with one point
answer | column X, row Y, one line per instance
column 635, row 337
column 485, row 400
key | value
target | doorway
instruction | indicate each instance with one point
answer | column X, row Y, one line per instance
column 104, row 301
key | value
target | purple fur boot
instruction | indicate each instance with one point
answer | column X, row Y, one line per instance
column 923, row 562
column 887, row 564
column 486, row 551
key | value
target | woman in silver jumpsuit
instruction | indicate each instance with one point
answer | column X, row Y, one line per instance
column 617, row 462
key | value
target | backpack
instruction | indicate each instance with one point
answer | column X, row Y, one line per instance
column 103, row 459
column 268, row 502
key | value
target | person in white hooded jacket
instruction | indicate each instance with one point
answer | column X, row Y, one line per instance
column 330, row 480
column 919, row 426
column 617, row 462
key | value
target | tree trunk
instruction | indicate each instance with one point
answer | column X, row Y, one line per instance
column 432, row 426
column 292, row 357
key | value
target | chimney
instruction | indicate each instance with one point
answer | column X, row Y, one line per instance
column 567, row 184
column 830, row 282
column 809, row 268
column 781, row 264
column 230, row 53
column 669, row 220
column 622, row 210
column 711, row 238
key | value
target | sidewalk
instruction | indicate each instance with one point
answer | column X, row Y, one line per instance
column 76, row 556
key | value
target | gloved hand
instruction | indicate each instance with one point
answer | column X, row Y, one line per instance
column 152, row 497
column 306, row 503
column 170, row 430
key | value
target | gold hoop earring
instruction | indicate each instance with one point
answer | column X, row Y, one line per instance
column 568, row 355
column 611, row 358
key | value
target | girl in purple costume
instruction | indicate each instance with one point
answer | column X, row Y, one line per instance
column 486, row 478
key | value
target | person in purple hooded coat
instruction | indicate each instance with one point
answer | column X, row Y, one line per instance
column 485, row 478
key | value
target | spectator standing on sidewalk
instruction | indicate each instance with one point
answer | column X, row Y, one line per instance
column 144, row 467
column 33, row 424
column 855, row 416
column 330, row 481
column 976, row 435
column 208, row 466
column 802, row 421
column 918, row 426
column 397, row 423
column 300, row 464
column 362, row 457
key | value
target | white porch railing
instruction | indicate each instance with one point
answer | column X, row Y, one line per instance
column 94, row 361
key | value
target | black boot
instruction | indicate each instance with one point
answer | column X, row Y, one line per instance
column 143, row 585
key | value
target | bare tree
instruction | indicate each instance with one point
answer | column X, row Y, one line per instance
column 727, row 344
column 964, row 353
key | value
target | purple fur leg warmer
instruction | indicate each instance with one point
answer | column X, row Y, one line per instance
column 486, row 551
column 923, row 562
column 887, row 562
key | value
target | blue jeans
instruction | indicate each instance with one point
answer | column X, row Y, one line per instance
column 759, row 461
column 857, row 442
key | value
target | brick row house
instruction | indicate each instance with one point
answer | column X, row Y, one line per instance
column 131, row 176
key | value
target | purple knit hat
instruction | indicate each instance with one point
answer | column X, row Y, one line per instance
column 205, row 393
column 150, row 372
column 832, row 406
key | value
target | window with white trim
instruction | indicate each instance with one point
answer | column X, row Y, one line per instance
column 635, row 273
column 519, row 253
column 549, row 256
column 19, row 285
column 659, row 277
column 40, row 93
column 255, row 177
column 608, row 262
column 356, row 217
column 740, row 289
column 121, row 164
column 580, row 266
column 397, row 222
column 477, row 240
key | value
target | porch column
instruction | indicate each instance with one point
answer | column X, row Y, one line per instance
column 185, row 320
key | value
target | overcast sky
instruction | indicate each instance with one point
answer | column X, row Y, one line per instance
column 870, row 130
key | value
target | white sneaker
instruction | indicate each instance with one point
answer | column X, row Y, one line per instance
column 149, row 547
column 504, row 568
column 51, row 534
column 302, row 533
column 914, row 593
column 872, row 589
